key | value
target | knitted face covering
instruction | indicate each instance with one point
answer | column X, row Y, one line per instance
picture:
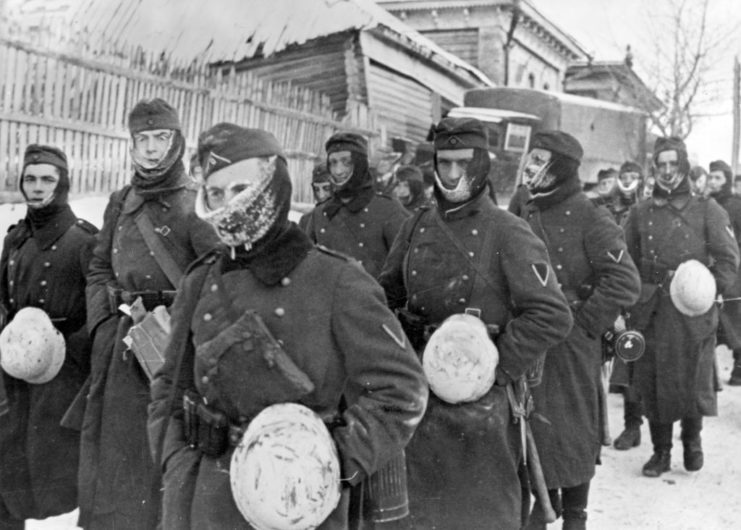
column 241, row 201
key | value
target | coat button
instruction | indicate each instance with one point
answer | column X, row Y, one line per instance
column 414, row 273
column 560, row 249
column 465, row 277
column 650, row 223
column 562, row 230
column 559, row 266
column 12, row 300
column 461, row 300
column 361, row 244
column 41, row 300
column 474, row 232
column 365, row 210
column 47, row 264
column 11, row 262
column 53, row 247
column 279, row 311
column 568, row 212
column 650, row 238
column 470, row 254
column 322, row 230
column 204, row 379
column 214, row 287
column 115, row 251
column 422, row 230
column 416, row 250
column 285, row 282
column 42, row 283
column 362, row 225
column 10, row 283
column 120, row 227
column 207, row 317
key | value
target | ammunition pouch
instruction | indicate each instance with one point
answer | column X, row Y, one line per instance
column 415, row 327
column 150, row 299
column 206, row 429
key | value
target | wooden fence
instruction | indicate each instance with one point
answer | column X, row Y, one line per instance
column 81, row 105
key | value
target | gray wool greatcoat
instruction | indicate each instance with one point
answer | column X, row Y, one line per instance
column 599, row 278
column 676, row 374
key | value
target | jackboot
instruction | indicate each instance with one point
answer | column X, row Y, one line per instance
column 692, row 443
column 659, row 463
column 735, row 379
column 574, row 502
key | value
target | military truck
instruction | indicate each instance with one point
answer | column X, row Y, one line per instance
column 609, row 133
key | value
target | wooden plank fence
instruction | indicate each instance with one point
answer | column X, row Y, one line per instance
column 81, row 105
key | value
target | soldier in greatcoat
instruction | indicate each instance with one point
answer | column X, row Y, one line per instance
column 598, row 278
column 44, row 261
column 467, row 254
column 720, row 188
column 147, row 225
column 356, row 220
column 676, row 376
column 327, row 313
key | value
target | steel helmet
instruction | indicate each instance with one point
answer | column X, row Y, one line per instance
column 31, row 348
column 460, row 359
column 285, row 472
column 692, row 289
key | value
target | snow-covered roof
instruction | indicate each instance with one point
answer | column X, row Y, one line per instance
column 232, row 30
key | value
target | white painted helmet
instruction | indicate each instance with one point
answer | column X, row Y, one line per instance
column 460, row 359
column 692, row 289
column 285, row 472
column 31, row 348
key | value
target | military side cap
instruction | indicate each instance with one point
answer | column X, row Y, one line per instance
column 669, row 143
column 346, row 141
column 151, row 114
column 460, row 133
column 45, row 154
column 225, row 144
column 558, row 142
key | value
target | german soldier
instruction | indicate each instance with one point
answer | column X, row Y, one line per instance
column 44, row 262
column 327, row 314
column 150, row 234
column 720, row 188
column 676, row 374
column 356, row 220
column 467, row 255
column 596, row 274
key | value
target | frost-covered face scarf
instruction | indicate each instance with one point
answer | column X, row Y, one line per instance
column 245, row 200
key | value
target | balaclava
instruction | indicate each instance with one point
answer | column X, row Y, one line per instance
column 357, row 191
column 727, row 188
column 259, row 212
column 462, row 133
column 320, row 175
column 678, row 184
column 57, row 202
column 153, row 114
column 631, row 189
column 413, row 177
column 561, row 169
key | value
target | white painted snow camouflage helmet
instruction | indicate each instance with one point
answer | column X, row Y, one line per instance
column 460, row 359
column 285, row 472
column 31, row 348
column 692, row 289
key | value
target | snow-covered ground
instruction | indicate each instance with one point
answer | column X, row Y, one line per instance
column 621, row 498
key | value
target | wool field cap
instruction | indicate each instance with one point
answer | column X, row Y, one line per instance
column 670, row 143
column 346, row 141
column 45, row 154
column 631, row 167
column 406, row 173
column 558, row 142
column 225, row 144
column 320, row 173
column 151, row 114
column 460, row 133
column 720, row 165
column 606, row 173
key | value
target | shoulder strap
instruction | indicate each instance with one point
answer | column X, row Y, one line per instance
column 476, row 265
column 161, row 255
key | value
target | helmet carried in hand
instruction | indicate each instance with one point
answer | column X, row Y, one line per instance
column 31, row 348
